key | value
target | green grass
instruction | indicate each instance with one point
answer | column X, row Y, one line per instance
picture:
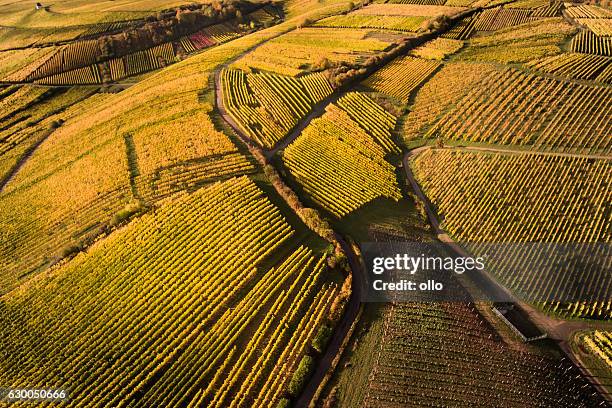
column 400, row 216
column 351, row 378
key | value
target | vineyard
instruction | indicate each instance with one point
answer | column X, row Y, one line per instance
column 446, row 88
column 551, row 30
column 601, row 27
column 588, row 11
column 588, row 43
column 28, row 113
column 507, row 199
column 188, row 350
column 446, row 354
column 576, row 66
column 268, row 106
column 499, row 18
column 79, row 76
column 437, row 49
column 397, row 23
column 62, row 190
column 85, row 61
column 419, row 2
column 188, row 190
column 147, row 60
column 463, row 30
column 299, row 52
column 512, row 107
column 68, row 57
column 399, row 17
column 182, row 154
column 339, row 159
column 17, row 65
column 522, row 43
column 407, row 10
column 599, row 344
column 399, row 78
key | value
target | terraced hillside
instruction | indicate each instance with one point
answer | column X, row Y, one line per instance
column 187, row 191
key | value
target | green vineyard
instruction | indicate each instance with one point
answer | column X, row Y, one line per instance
column 599, row 344
column 268, row 106
column 118, row 297
column 489, row 198
column 507, row 108
column 401, row 77
column 434, row 354
column 340, row 161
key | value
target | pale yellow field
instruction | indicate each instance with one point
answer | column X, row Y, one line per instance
column 407, row 10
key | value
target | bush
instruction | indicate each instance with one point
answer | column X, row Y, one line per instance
column 321, row 64
column 301, row 375
column 70, row 250
column 304, row 23
column 322, row 338
column 126, row 213
column 283, row 403
column 337, row 307
column 56, row 124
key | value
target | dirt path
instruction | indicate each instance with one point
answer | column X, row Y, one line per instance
column 317, row 110
column 557, row 329
column 342, row 329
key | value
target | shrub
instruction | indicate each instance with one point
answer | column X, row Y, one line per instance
column 301, row 375
column 56, row 124
column 337, row 306
column 283, row 403
column 322, row 338
column 126, row 213
column 305, row 22
column 321, row 64
column 70, row 250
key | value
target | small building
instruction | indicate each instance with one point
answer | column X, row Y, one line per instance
column 39, row 6
column 518, row 321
